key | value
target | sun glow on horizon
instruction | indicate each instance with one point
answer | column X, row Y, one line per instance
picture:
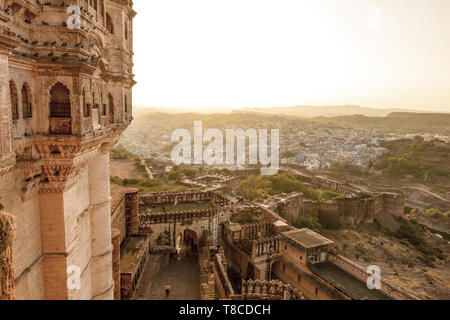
column 262, row 53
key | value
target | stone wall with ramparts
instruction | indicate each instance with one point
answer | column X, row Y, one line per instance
column 387, row 288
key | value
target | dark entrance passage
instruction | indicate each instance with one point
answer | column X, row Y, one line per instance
column 187, row 243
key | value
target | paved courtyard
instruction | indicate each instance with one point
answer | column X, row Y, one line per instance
column 182, row 275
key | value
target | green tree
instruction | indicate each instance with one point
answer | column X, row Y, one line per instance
column 329, row 220
column 174, row 175
column 308, row 222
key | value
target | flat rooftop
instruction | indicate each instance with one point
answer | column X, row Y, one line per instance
column 171, row 208
column 347, row 283
column 307, row 238
column 132, row 251
column 280, row 223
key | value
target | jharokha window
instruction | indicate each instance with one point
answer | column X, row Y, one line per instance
column 60, row 101
column 14, row 100
column 26, row 104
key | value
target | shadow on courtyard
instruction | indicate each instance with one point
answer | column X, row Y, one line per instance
column 181, row 274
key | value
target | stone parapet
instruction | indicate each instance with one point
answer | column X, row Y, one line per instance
column 115, row 239
column 268, row 290
column 352, row 268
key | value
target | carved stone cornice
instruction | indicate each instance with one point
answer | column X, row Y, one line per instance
column 8, row 41
column 62, row 171
column 58, row 187
column 7, row 163
column 63, row 157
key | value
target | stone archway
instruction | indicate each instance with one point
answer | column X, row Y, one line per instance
column 274, row 268
column 187, row 243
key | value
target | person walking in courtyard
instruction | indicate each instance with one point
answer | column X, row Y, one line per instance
column 167, row 290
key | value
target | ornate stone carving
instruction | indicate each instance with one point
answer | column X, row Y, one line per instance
column 7, row 162
column 31, row 176
column 50, row 150
column 273, row 290
column 7, row 230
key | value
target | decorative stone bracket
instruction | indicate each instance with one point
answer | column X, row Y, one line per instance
column 31, row 177
column 61, row 163
column 64, row 157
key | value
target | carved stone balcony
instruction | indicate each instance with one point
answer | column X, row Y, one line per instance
column 60, row 126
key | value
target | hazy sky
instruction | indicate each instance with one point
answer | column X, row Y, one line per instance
column 262, row 53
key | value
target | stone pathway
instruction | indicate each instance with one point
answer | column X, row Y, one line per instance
column 182, row 275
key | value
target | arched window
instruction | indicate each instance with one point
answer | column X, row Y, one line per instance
column 14, row 100
column 60, row 101
column 111, row 108
column 126, row 104
column 26, row 104
column 126, row 30
column 109, row 24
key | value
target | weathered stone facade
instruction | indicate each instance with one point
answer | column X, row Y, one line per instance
column 289, row 207
column 168, row 216
column 305, row 260
column 7, row 230
column 65, row 99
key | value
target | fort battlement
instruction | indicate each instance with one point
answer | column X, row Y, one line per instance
column 223, row 284
column 353, row 206
column 183, row 196
column 267, row 290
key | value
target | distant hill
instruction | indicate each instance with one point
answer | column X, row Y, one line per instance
column 396, row 122
column 325, row 111
column 400, row 122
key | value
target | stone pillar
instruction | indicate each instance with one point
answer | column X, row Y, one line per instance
column 115, row 234
column 132, row 212
column 7, row 230
column 54, row 245
column 99, row 194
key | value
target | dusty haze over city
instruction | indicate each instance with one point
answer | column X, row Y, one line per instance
column 244, row 151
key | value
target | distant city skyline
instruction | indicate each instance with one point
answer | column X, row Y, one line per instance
column 199, row 54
